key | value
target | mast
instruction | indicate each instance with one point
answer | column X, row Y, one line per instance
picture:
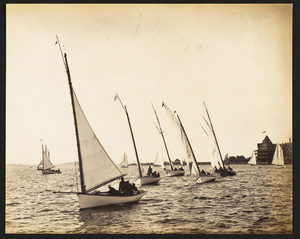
column 162, row 135
column 136, row 153
column 74, row 114
column 43, row 155
column 213, row 131
column 195, row 161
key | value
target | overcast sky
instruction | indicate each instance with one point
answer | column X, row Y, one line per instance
column 236, row 58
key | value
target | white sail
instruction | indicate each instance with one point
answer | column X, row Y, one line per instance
column 278, row 156
column 46, row 159
column 189, row 154
column 97, row 167
column 253, row 159
column 124, row 163
column 40, row 165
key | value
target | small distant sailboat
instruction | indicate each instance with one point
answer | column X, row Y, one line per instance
column 158, row 161
column 173, row 172
column 46, row 165
column 191, row 158
column 95, row 166
column 278, row 158
column 124, row 163
column 217, row 159
column 143, row 179
column 253, row 160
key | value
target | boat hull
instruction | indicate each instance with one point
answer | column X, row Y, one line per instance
column 205, row 179
column 225, row 173
column 50, row 172
column 103, row 199
column 149, row 180
column 175, row 173
column 280, row 166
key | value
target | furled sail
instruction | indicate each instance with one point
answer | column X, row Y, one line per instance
column 46, row 158
column 97, row 167
column 278, row 156
column 252, row 159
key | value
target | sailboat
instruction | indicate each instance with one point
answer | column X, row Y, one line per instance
column 173, row 172
column 252, row 160
column 278, row 158
column 46, row 165
column 149, row 179
column 95, row 166
column 218, row 163
column 124, row 163
column 191, row 158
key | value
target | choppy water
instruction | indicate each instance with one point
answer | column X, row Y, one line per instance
column 258, row 200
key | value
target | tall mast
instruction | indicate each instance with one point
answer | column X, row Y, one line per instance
column 195, row 161
column 43, row 155
column 162, row 135
column 75, row 119
column 136, row 153
column 213, row 131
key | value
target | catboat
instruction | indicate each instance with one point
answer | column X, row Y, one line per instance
column 253, row 160
column 217, row 161
column 95, row 166
column 172, row 172
column 142, row 179
column 124, row 163
column 46, row 165
column 191, row 158
column 278, row 158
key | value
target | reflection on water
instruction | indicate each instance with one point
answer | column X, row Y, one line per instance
column 257, row 200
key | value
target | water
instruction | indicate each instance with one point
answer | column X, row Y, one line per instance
column 256, row 201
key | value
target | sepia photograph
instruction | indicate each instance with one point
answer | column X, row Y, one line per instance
column 149, row 119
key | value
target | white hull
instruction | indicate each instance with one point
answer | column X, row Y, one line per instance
column 148, row 180
column 102, row 199
column 175, row 173
column 205, row 179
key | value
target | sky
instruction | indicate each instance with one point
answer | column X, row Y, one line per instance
column 237, row 58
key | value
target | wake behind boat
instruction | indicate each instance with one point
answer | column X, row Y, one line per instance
column 149, row 179
column 95, row 166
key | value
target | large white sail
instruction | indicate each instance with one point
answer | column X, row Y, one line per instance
column 253, row 159
column 97, row 167
column 278, row 156
column 124, row 163
column 189, row 154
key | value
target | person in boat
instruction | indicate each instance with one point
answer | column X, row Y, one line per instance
column 122, row 186
column 203, row 172
column 181, row 169
column 134, row 188
column 158, row 175
column 175, row 169
column 112, row 191
column 149, row 171
column 128, row 189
